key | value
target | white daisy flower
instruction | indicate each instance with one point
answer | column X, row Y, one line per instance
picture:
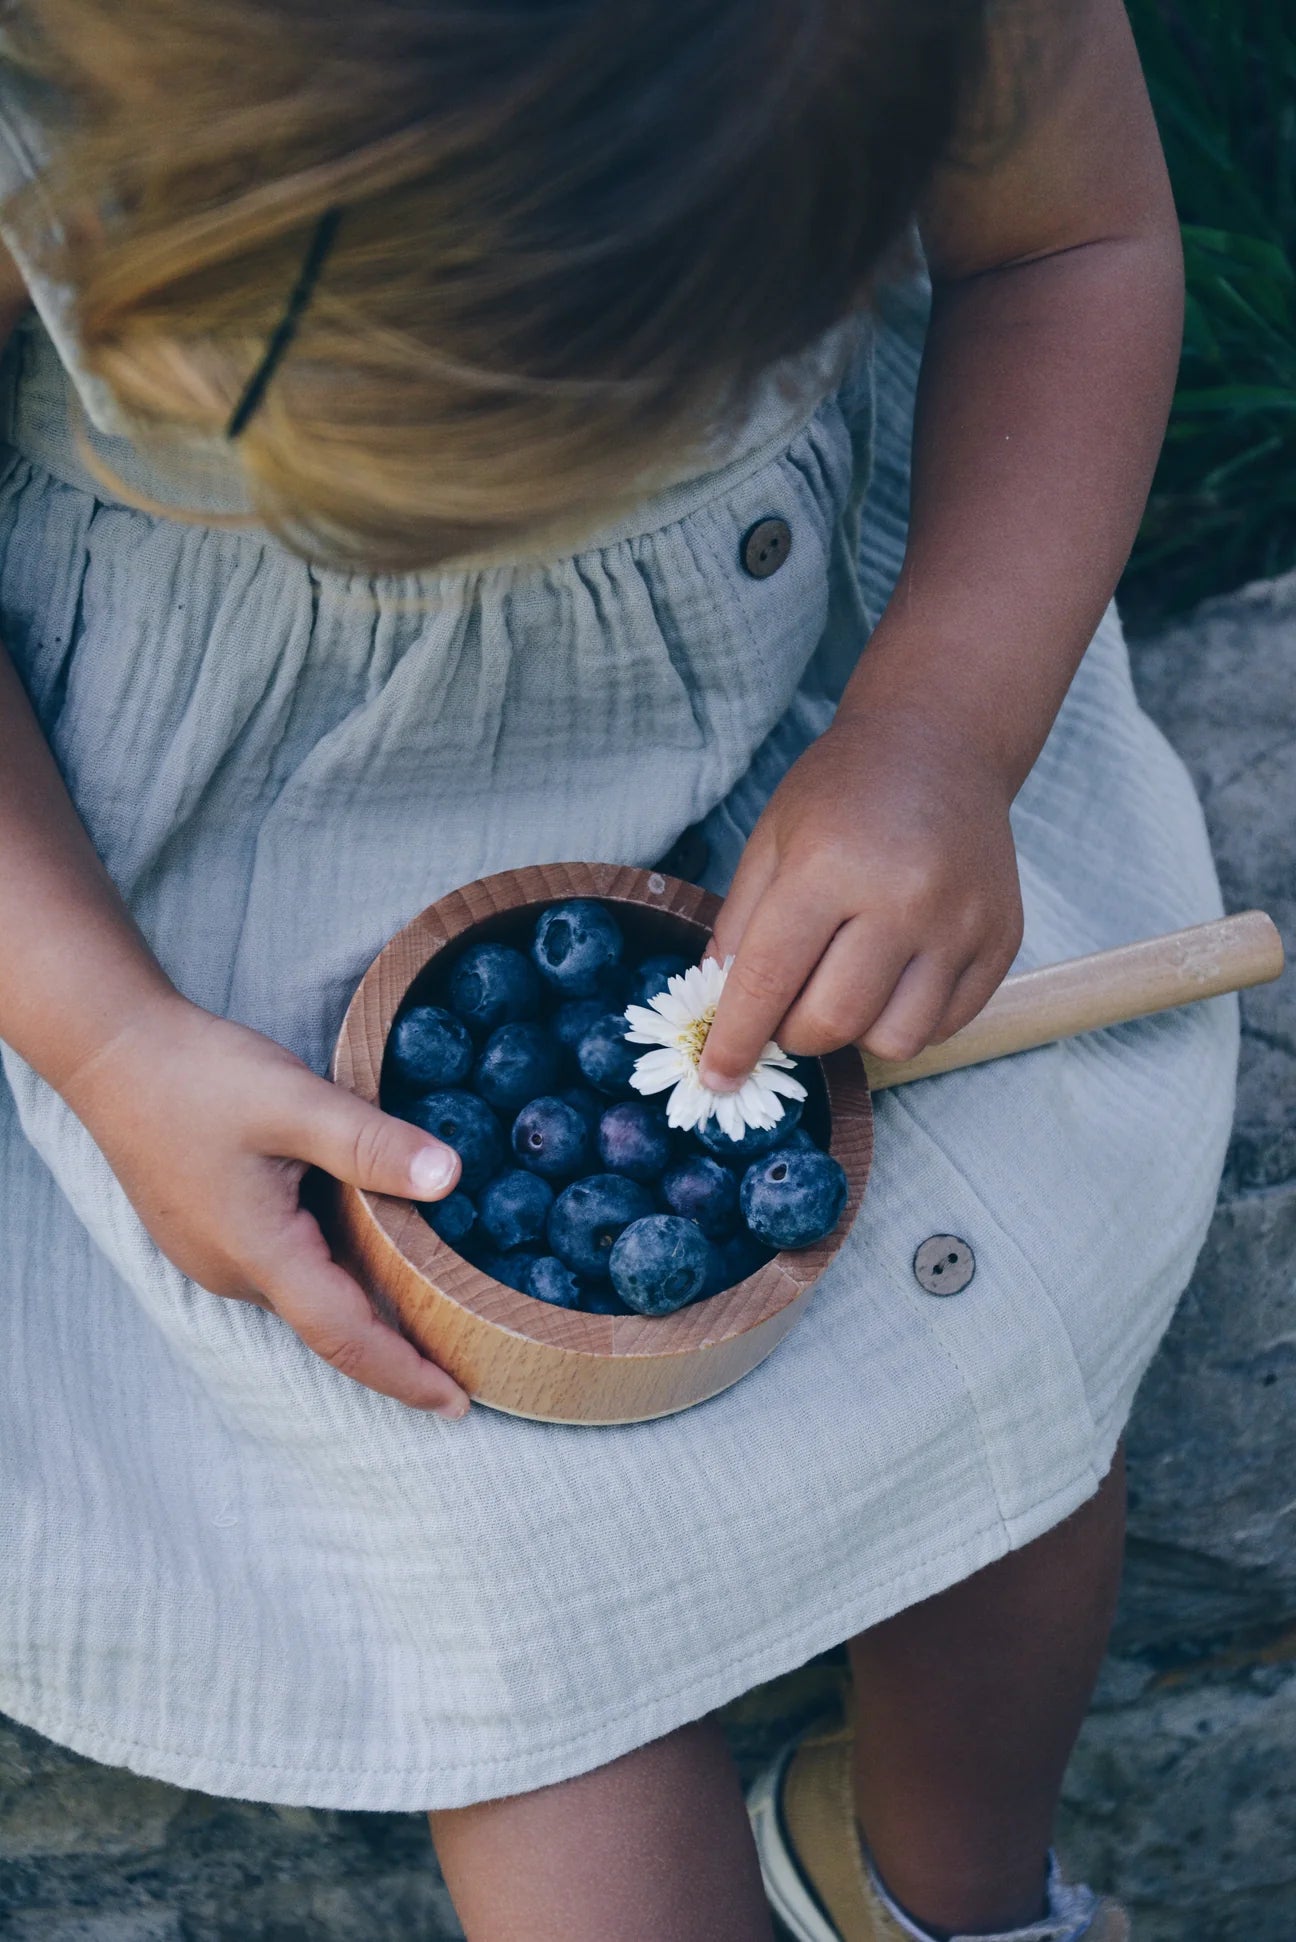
column 676, row 1023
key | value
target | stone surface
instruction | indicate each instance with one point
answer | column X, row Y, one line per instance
column 93, row 1854
column 1182, row 1794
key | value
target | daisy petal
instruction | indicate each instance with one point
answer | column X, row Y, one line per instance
column 647, row 1027
column 655, row 1071
column 783, row 1082
column 702, row 986
column 675, row 1012
column 774, row 1055
column 758, row 1107
column 687, row 1105
column 649, row 1082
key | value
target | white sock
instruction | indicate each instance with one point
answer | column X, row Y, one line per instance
column 1070, row 1911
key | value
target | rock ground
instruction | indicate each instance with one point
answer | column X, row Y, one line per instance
column 1181, row 1797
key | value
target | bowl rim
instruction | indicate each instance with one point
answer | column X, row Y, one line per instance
column 396, row 1232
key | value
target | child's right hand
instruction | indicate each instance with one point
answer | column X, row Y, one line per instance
column 210, row 1129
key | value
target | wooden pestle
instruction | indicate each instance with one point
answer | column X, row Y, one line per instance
column 1106, row 988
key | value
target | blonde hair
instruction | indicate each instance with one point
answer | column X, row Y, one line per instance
column 573, row 236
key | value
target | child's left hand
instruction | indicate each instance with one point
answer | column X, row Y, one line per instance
column 877, row 899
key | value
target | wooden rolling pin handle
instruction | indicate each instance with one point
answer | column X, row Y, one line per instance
column 1107, row 988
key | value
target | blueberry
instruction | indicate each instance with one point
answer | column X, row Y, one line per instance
column 453, row 1218
column 613, row 988
column 466, row 1123
column 652, row 978
column 587, row 1104
column 514, row 1208
column 429, row 1049
column 512, row 1268
column 549, row 1280
column 733, row 1260
column 701, row 1190
column 793, row 1199
column 798, row 1141
column 659, row 1264
column 755, row 1142
column 492, row 984
column 605, row 1057
column 517, row 1063
column 588, row 1216
column 551, row 1137
column 602, row 1300
column 576, row 944
column 633, row 1138
column 571, row 1021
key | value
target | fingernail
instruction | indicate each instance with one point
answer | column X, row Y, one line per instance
column 431, row 1171
column 451, row 1412
column 717, row 1081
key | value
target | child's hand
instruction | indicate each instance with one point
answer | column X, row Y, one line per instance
column 210, row 1128
column 877, row 899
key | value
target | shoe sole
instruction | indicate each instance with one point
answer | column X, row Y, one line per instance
column 785, row 1890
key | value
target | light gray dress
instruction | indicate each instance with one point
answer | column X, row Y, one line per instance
column 227, row 1565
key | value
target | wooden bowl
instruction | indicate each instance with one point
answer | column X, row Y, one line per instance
column 506, row 1349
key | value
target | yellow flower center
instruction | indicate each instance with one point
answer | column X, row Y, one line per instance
column 694, row 1035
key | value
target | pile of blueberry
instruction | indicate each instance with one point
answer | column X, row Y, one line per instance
column 574, row 1189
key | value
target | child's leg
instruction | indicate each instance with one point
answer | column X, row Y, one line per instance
column 654, row 1847
column 968, row 1707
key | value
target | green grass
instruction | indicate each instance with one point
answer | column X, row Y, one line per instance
column 1222, row 74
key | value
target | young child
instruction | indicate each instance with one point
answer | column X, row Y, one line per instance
column 497, row 452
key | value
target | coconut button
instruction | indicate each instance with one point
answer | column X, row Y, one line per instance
column 944, row 1265
column 765, row 547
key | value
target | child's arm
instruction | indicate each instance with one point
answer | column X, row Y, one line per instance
column 878, row 896
column 205, row 1124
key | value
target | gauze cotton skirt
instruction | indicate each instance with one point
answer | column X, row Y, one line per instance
column 231, row 1567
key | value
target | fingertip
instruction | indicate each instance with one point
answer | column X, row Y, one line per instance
column 451, row 1412
column 433, row 1171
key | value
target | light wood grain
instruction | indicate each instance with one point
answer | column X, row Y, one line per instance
column 1106, row 988
column 525, row 1356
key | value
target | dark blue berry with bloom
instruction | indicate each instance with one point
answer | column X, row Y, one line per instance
column 552, row 1138
column 513, row 1208
column 429, row 1050
column 733, row 1260
column 600, row 1298
column 587, row 1104
column 633, row 1138
column 700, row 1189
column 466, row 1123
column 576, row 945
column 659, row 1264
column 653, row 977
column 571, row 1021
column 792, row 1199
column 492, row 984
column 552, row 1280
column 756, row 1141
column 512, row 1268
column 605, row 1056
column 588, row 1216
column 517, row 1063
column 453, row 1218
